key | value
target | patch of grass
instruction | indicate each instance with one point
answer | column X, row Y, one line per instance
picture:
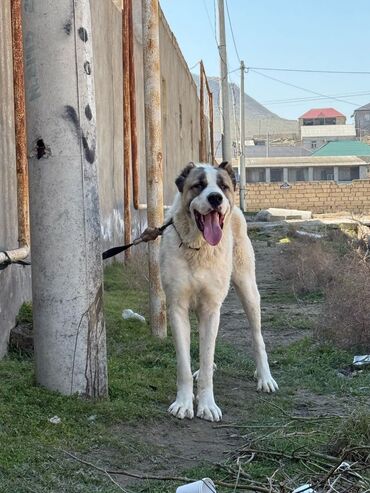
column 142, row 383
column 25, row 314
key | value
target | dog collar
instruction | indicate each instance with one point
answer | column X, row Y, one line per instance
column 181, row 240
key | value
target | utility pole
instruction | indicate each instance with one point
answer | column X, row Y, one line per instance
column 154, row 159
column 242, row 139
column 224, row 93
column 67, row 274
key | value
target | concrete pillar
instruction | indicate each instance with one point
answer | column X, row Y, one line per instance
column 285, row 175
column 67, row 287
column 268, row 175
column 336, row 174
column 310, row 173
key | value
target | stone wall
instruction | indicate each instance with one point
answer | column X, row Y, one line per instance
column 316, row 196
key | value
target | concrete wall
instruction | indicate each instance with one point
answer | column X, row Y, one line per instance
column 107, row 45
column 14, row 280
column 316, row 196
column 181, row 134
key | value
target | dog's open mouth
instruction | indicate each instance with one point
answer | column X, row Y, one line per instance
column 210, row 225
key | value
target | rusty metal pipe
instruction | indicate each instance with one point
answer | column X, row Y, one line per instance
column 211, row 137
column 20, row 126
column 133, row 122
column 154, row 158
column 202, row 145
column 126, row 126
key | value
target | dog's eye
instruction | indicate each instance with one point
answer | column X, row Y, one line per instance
column 224, row 187
column 196, row 186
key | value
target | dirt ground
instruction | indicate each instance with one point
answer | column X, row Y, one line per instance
column 178, row 445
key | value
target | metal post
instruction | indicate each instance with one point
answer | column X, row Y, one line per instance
column 70, row 349
column 224, row 100
column 202, row 146
column 211, row 135
column 154, row 158
column 126, row 126
column 242, row 139
column 20, row 125
column 133, row 123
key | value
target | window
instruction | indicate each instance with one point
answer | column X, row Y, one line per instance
column 308, row 121
column 330, row 121
column 348, row 173
column 256, row 175
column 297, row 174
column 276, row 174
column 313, row 144
column 323, row 173
column 367, row 117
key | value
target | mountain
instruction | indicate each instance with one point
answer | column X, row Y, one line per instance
column 258, row 119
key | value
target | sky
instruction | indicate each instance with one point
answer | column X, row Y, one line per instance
column 331, row 35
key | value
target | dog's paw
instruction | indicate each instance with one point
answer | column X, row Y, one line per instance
column 182, row 408
column 196, row 373
column 208, row 409
column 265, row 382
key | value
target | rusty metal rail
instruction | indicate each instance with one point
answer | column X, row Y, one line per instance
column 20, row 125
column 126, row 125
column 203, row 82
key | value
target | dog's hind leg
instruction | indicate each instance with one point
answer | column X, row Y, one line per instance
column 209, row 319
column 180, row 325
column 244, row 280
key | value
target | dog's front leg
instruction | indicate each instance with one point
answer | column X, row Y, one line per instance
column 209, row 320
column 180, row 325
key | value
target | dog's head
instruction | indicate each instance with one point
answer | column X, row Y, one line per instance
column 208, row 197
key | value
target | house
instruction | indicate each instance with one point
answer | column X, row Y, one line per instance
column 341, row 169
column 322, row 125
column 321, row 116
column 362, row 120
column 345, row 148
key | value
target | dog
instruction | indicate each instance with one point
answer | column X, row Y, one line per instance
column 206, row 247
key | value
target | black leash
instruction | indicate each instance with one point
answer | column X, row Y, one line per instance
column 149, row 234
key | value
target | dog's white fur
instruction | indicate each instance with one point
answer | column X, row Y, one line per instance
column 200, row 279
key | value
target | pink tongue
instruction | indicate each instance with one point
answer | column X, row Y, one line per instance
column 212, row 230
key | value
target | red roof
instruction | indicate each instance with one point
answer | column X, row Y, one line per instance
column 322, row 113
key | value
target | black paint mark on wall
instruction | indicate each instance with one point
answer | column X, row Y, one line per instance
column 87, row 68
column 70, row 114
column 83, row 34
column 68, row 27
column 88, row 112
column 40, row 148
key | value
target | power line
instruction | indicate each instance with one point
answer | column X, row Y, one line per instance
column 232, row 30
column 303, row 88
column 299, row 100
column 356, row 72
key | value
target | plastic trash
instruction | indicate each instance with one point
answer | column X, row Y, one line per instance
column 129, row 314
column 55, row 420
column 305, row 488
column 204, row 485
column 362, row 360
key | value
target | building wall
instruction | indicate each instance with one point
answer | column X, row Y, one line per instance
column 316, row 196
column 15, row 281
column 362, row 122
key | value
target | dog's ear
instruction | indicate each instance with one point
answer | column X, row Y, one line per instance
column 180, row 180
column 230, row 170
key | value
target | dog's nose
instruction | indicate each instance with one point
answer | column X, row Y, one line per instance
column 214, row 199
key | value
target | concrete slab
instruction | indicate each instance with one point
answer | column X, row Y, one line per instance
column 273, row 214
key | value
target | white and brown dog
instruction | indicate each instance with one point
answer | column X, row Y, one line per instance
column 206, row 247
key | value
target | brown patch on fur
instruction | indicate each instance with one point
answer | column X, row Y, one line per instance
column 224, row 181
column 194, row 184
column 180, row 180
column 226, row 166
